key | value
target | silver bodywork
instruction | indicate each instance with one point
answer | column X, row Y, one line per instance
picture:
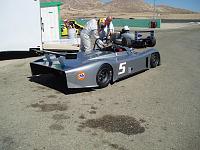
column 81, row 71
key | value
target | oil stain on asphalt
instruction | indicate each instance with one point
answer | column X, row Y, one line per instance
column 114, row 146
column 50, row 107
column 7, row 143
column 56, row 127
column 60, row 117
column 92, row 112
column 51, row 96
column 123, row 124
column 82, row 116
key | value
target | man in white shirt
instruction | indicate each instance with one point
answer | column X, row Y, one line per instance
column 90, row 31
column 108, row 28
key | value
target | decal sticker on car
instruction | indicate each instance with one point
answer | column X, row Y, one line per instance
column 122, row 68
column 81, row 76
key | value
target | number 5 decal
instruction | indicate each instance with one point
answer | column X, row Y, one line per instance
column 122, row 68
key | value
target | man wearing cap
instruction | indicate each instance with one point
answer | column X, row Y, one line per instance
column 126, row 33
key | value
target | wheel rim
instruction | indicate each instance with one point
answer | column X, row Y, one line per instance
column 155, row 59
column 103, row 76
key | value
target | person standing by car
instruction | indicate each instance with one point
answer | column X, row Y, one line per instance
column 89, row 33
column 66, row 23
column 71, row 31
column 106, row 27
column 109, row 28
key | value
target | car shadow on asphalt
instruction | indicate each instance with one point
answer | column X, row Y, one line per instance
column 56, row 83
column 16, row 55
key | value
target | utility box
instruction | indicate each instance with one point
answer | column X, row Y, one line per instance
column 50, row 18
column 20, row 28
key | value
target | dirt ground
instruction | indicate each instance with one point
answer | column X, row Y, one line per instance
column 158, row 109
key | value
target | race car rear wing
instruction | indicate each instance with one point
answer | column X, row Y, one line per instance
column 67, row 55
column 138, row 34
column 61, row 57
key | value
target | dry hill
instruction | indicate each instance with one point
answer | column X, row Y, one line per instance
column 135, row 6
column 128, row 6
column 117, row 8
column 82, row 4
column 172, row 10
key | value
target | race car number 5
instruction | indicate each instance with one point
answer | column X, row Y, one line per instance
column 122, row 68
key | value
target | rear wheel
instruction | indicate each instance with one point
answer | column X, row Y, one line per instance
column 155, row 60
column 104, row 76
column 151, row 41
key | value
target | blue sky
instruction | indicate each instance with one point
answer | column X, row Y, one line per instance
column 105, row 1
column 193, row 5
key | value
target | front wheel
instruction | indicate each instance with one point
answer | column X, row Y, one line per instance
column 155, row 60
column 104, row 76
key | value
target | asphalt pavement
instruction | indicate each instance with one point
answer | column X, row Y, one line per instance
column 158, row 109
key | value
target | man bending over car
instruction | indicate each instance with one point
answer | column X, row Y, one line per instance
column 89, row 32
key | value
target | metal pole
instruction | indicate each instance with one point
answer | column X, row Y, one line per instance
column 154, row 8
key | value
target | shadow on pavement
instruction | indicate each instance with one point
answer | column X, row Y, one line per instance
column 56, row 83
column 59, row 84
column 16, row 55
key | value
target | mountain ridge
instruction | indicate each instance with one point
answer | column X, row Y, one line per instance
column 84, row 8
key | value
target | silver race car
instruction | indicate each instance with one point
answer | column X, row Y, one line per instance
column 98, row 68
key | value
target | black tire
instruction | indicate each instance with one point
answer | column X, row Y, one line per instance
column 104, row 76
column 155, row 60
column 151, row 41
